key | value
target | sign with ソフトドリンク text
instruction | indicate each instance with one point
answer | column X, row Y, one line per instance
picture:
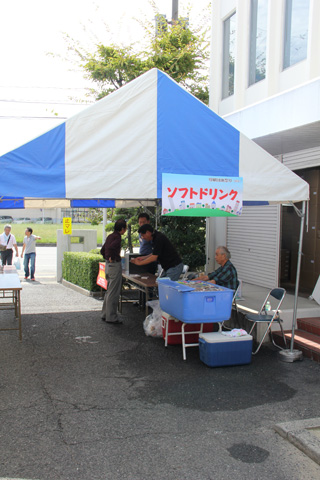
column 201, row 195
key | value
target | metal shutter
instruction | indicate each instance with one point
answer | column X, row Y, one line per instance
column 253, row 240
column 302, row 159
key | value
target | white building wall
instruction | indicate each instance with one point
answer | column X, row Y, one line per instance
column 287, row 100
column 277, row 79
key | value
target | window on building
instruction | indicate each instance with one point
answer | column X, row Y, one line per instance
column 229, row 50
column 258, row 40
column 295, row 31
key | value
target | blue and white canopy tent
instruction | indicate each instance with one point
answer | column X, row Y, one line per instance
column 118, row 148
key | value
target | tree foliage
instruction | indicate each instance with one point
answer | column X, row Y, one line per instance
column 182, row 52
column 111, row 67
column 188, row 236
column 178, row 50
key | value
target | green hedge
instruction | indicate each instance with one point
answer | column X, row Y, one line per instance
column 81, row 268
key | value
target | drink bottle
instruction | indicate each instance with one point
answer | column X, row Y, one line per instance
column 267, row 307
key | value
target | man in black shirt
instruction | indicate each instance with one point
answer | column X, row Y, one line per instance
column 162, row 251
column 111, row 252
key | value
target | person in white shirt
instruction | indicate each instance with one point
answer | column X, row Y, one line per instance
column 29, row 247
column 8, row 243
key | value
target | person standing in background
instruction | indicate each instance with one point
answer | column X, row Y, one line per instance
column 145, row 245
column 111, row 252
column 29, row 247
column 7, row 242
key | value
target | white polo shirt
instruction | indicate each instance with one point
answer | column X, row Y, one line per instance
column 4, row 240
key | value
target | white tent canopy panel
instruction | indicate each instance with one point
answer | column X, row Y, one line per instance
column 119, row 147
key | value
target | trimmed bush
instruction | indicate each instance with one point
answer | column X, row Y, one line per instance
column 81, row 268
column 95, row 251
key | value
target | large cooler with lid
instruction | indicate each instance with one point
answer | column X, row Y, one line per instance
column 218, row 350
column 184, row 302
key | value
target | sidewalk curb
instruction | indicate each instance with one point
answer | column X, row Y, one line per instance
column 300, row 434
column 81, row 290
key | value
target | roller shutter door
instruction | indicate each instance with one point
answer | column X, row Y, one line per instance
column 302, row 159
column 253, row 240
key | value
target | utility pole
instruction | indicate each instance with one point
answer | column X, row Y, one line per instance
column 161, row 20
column 175, row 9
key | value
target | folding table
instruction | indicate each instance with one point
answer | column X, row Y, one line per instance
column 10, row 299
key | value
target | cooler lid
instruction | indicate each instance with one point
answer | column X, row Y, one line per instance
column 217, row 337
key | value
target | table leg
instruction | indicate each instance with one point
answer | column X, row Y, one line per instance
column 147, row 299
column 15, row 302
column 120, row 300
column 167, row 330
column 183, row 342
column 19, row 315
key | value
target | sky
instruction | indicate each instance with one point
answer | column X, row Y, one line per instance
column 39, row 86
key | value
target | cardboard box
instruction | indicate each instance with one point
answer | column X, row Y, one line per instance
column 218, row 350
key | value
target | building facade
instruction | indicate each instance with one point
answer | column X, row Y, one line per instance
column 265, row 81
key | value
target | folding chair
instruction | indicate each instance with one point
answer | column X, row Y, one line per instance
column 263, row 317
column 183, row 275
column 184, row 272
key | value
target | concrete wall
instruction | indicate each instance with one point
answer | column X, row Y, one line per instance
column 64, row 244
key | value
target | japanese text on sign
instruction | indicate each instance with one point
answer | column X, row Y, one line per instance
column 67, row 226
column 101, row 278
column 199, row 195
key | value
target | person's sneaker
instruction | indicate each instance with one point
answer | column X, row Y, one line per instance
column 26, row 278
column 116, row 322
column 33, row 279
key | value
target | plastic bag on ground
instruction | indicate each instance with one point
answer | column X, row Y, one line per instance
column 152, row 323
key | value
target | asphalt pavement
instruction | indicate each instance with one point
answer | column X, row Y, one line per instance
column 84, row 400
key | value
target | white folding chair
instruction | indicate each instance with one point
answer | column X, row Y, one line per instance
column 184, row 272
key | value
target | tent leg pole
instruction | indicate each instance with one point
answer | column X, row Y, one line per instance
column 292, row 355
column 104, row 222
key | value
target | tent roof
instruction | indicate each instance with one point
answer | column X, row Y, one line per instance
column 119, row 147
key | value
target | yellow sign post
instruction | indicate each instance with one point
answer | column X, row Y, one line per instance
column 67, row 226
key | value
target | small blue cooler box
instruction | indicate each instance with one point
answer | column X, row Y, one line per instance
column 217, row 350
column 190, row 306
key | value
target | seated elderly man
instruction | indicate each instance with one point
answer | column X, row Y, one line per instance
column 226, row 274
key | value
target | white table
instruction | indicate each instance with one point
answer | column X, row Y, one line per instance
column 10, row 299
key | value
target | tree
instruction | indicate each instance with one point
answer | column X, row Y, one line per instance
column 131, row 216
column 111, row 67
column 95, row 216
column 182, row 52
column 179, row 51
column 189, row 238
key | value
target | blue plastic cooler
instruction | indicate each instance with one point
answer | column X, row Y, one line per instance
column 190, row 306
column 217, row 350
